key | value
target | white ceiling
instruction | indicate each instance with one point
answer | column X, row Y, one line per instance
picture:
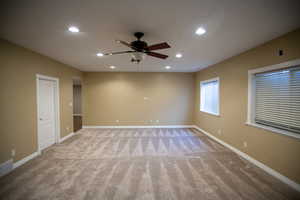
column 233, row 26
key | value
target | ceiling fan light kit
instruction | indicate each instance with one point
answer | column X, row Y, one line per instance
column 139, row 49
column 137, row 57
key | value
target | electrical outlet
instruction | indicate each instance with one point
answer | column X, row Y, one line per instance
column 219, row 132
column 13, row 152
column 117, row 121
column 71, row 104
column 245, row 144
column 157, row 121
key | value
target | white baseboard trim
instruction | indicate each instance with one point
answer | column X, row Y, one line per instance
column 35, row 154
column 6, row 167
column 162, row 126
column 25, row 160
column 267, row 169
column 66, row 137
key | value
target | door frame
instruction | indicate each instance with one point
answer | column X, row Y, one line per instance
column 56, row 107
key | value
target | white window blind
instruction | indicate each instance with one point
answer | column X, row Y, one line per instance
column 209, row 101
column 277, row 99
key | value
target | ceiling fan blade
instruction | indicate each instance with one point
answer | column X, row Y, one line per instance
column 157, row 55
column 127, row 44
column 124, row 43
column 163, row 45
column 120, row 52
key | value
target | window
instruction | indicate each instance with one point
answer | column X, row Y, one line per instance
column 209, row 96
column 275, row 98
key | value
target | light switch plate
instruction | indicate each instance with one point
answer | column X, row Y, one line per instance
column 13, row 152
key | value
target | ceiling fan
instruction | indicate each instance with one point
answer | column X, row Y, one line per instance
column 140, row 49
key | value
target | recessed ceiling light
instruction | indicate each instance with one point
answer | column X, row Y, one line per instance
column 73, row 29
column 200, row 31
column 112, row 67
column 178, row 55
column 100, row 54
column 168, row 67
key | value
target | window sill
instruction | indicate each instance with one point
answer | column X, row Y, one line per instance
column 274, row 130
column 214, row 114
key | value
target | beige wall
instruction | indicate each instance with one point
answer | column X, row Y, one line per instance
column 280, row 152
column 18, row 69
column 110, row 96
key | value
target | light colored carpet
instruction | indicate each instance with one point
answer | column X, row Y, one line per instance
column 144, row 164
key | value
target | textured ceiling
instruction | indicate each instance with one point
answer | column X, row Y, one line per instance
column 233, row 26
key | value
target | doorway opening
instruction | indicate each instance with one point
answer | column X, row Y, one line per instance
column 77, row 99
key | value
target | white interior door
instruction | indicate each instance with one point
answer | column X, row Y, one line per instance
column 46, row 115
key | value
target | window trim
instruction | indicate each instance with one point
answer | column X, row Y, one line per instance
column 206, row 81
column 251, row 97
